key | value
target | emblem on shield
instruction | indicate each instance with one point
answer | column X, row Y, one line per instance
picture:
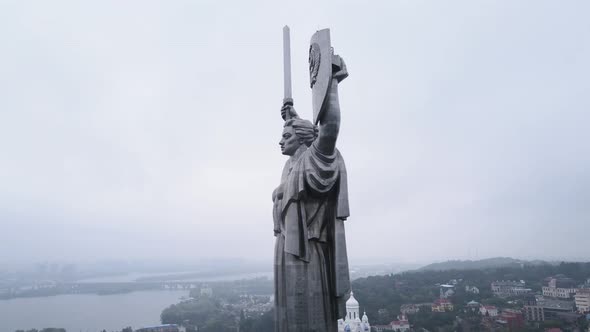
column 320, row 70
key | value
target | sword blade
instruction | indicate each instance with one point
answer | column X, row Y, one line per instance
column 288, row 94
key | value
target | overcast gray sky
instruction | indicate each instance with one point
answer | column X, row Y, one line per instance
column 150, row 129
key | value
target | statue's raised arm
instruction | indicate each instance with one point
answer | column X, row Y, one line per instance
column 329, row 117
column 326, row 70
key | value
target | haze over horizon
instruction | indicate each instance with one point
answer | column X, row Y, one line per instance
column 145, row 130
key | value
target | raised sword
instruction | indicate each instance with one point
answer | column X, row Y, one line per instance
column 287, row 92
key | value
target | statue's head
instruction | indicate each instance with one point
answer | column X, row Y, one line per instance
column 297, row 132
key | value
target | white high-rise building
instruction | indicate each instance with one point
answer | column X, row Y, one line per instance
column 582, row 299
column 552, row 290
column 353, row 321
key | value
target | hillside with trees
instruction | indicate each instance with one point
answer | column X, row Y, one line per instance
column 382, row 296
column 488, row 263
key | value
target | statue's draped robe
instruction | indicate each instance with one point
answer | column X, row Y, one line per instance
column 311, row 266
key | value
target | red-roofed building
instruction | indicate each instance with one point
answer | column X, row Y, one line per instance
column 514, row 319
column 442, row 305
column 401, row 324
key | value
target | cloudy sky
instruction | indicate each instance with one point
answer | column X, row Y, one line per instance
column 150, row 129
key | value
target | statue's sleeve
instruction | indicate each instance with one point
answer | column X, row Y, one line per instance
column 324, row 173
column 317, row 174
column 321, row 170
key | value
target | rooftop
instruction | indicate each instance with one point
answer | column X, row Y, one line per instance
column 549, row 303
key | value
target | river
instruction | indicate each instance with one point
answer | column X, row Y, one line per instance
column 179, row 276
column 87, row 312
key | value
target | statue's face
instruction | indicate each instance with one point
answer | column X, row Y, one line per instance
column 289, row 142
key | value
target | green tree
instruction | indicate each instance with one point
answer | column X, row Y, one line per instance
column 263, row 323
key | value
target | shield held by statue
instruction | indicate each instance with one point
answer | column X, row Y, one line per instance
column 320, row 71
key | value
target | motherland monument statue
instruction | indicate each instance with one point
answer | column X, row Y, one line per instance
column 310, row 205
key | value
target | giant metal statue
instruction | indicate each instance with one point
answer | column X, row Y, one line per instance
column 311, row 203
